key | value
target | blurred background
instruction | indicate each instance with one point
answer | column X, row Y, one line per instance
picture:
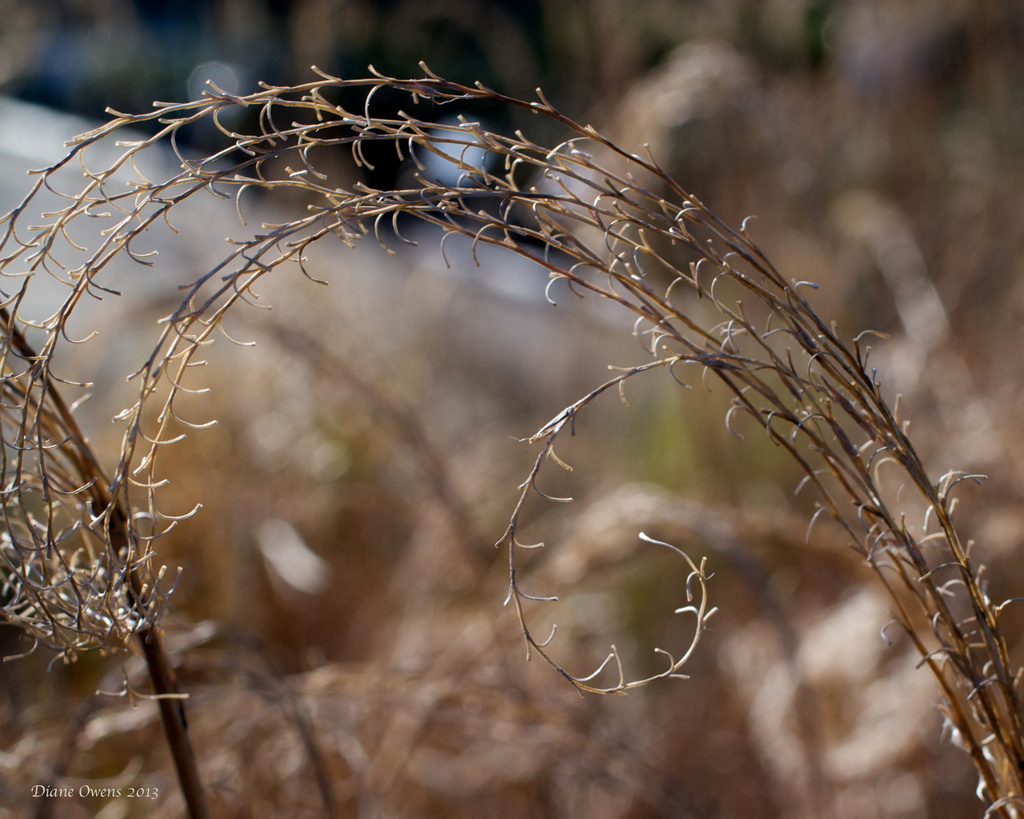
column 339, row 622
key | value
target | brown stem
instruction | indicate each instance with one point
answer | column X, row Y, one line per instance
column 172, row 712
column 161, row 673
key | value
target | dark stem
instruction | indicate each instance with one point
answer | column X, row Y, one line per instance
column 161, row 673
column 172, row 712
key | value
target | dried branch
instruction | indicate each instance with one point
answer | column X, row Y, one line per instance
column 609, row 224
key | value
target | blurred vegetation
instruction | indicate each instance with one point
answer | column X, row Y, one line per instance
column 879, row 146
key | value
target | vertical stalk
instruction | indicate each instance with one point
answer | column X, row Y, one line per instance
column 161, row 673
column 172, row 713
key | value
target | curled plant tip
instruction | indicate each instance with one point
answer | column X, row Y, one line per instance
column 696, row 597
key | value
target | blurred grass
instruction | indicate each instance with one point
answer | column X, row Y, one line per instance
column 835, row 115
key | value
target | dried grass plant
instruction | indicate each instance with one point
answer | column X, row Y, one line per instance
column 79, row 542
